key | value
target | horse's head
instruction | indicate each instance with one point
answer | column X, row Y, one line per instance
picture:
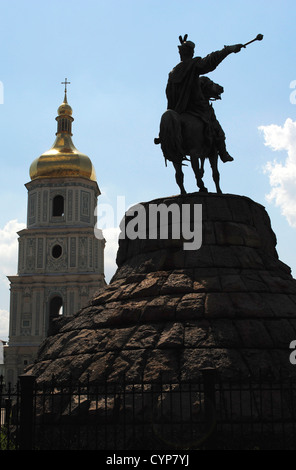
column 210, row 89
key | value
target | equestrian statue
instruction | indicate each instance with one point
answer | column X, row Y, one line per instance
column 189, row 127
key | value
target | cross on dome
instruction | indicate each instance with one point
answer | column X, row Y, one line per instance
column 65, row 83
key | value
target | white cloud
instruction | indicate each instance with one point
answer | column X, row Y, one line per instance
column 4, row 324
column 282, row 175
column 8, row 266
column 9, row 248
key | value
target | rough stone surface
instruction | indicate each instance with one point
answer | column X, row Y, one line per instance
column 230, row 305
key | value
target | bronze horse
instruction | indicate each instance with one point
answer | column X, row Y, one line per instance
column 182, row 135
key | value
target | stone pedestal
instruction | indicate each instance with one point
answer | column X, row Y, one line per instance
column 170, row 311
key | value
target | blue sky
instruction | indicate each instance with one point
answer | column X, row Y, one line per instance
column 117, row 55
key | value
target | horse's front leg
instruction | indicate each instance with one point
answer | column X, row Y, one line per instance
column 215, row 172
column 198, row 172
column 179, row 177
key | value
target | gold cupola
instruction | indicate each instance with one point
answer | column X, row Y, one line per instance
column 63, row 159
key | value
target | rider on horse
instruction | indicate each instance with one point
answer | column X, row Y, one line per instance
column 184, row 92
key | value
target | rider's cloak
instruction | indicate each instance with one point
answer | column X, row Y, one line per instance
column 183, row 89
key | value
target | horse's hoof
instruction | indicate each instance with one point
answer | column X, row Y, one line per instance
column 203, row 190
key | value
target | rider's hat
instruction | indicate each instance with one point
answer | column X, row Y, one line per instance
column 185, row 43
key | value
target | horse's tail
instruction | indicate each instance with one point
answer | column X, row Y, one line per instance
column 170, row 137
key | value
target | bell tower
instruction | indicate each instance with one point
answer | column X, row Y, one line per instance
column 60, row 260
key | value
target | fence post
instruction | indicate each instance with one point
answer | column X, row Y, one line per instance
column 209, row 381
column 7, row 411
column 27, row 383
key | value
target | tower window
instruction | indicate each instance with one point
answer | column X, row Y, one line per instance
column 56, row 251
column 56, row 307
column 58, row 206
column 55, row 311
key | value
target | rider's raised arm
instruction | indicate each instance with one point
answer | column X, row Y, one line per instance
column 211, row 61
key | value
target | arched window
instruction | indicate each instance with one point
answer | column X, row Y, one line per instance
column 55, row 311
column 58, row 206
column 56, row 307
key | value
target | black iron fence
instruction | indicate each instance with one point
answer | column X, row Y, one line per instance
column 206, row 414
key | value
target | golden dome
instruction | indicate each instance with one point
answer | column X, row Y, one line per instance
column 63, row 159
column 65, row 108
